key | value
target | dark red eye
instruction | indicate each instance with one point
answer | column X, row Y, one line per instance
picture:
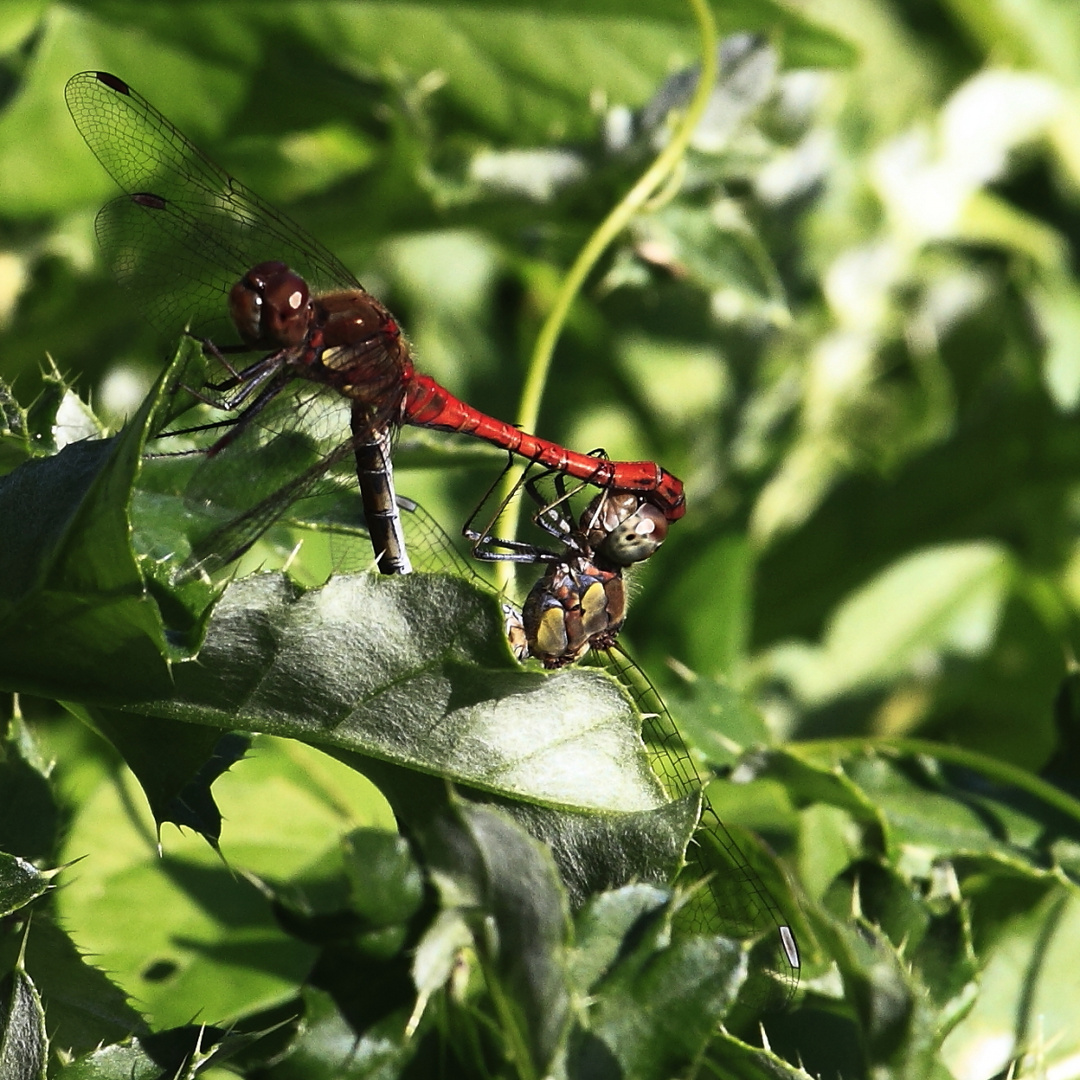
column 271, row 306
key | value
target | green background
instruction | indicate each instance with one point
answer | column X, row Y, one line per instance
column 852, row 327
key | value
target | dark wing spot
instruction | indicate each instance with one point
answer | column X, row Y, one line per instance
column 149, row 200
column 113, row 82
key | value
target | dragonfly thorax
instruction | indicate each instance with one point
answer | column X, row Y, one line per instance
column 358, row 348
column 270, row 307
column 574, row 607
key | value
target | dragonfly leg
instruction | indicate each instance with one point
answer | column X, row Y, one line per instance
column 242, row 422
column 250, row 379
column 489, row 548
column 220, row 352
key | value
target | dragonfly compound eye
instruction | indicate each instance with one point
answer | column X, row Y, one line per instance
column 627, row 529
column 271, row 306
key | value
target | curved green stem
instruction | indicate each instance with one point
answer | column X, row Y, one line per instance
column 972, row 759
column 651, row 180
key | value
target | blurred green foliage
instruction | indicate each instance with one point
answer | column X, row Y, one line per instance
column 852, row 326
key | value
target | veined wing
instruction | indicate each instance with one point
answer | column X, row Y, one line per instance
column 186, row 231
column 735, row 900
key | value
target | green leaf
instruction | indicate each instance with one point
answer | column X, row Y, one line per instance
column 220, row 948
column 940, row 601
column 657, row 1001
column 731, row 1058
column 129, row 1061
column 602, row 929
column 413, row 673
column 1024, row 927
column 719, row 722
column 175, row 762
column 20, row 882
column 386, row 886
column 593, row 850
column 57, row 417
column 326, row 1047
column 84, row 1008
column 932, row 929
column 15, row 444
column 179, row 1054
column 886, row 998
column 505, row 884
column 75, row 621
column 359, row 915
column 23, row 1042
column 935, row 810
column 29, row 816
column 341, row 665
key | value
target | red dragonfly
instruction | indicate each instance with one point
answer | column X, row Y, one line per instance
column 578, row 605
column 192, row 243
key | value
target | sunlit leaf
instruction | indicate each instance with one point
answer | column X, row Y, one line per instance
column 20, row 882
column 84, row 1008
column 23, row 1042
column 930, row 604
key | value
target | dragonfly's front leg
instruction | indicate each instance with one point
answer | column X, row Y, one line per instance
column 221, row 354
column 246, row 382
column 243, row 421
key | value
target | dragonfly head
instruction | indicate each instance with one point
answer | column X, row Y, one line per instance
column 271, row 306
column 623, row 528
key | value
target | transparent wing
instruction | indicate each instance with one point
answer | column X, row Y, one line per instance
column 186, row 231
column 230, row 541
column 736, row 900
column 279, row 467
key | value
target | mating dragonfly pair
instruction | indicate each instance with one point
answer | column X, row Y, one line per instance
column 198, row 249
